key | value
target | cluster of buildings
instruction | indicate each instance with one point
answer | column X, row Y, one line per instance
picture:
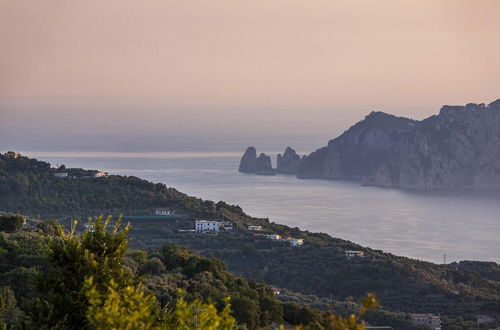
column 214, row 226
column 90, row 175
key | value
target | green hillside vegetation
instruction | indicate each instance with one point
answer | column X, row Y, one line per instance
column 52, row 278
column 318, row 268
column 322, row 270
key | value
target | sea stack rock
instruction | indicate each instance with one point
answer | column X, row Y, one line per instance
column 248, row 161
column 288, row 163
column 263, row 165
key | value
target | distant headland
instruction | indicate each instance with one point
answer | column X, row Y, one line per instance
column 459, row 148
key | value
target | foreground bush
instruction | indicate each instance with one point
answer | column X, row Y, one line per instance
column 11, row 223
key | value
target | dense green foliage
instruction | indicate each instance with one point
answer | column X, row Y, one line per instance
column 11, row 223
column 31, row 186
column 75, row 259
column 319, row 268
column 199, row 277
column 90, row 279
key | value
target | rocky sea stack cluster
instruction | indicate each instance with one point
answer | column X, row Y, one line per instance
column 262, row 165
column 457, row 149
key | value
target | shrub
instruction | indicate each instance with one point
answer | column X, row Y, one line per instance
column 11, row 223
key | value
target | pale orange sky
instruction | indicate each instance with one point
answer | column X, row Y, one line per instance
column 213, row 65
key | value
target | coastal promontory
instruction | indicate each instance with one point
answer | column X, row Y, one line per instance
column 459, row 148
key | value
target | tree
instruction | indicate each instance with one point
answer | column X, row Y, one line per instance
column 200, row 316
column 119, row 308
column 353, row 322
column 74, row 259
column 11, row 223
column 88, row 287
column 246, row 311
column 153, row 267
column 9, row 312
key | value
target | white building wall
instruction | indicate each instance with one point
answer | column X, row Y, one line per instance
column 207, row 225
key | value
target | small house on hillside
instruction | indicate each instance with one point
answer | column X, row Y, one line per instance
column 61, row 175
column 163, row 211
column 351, row 253
column 99, row 174
column 426, row 319
column 226, row 225
column 255, row 228
column 295, row 241
column 274, row 237
column 12, row 154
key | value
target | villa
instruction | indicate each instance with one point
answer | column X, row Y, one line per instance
column 212, row 225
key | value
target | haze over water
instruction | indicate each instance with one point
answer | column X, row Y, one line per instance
column 418, row 225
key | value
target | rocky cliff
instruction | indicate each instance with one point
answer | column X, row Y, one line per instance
column 248, row 161
column 459, row 148
column 360, row 149
column 263, row 165
column 288, row 163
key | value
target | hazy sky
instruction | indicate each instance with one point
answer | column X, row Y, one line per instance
column 238, row 69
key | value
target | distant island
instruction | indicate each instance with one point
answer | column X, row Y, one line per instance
column 459, row 148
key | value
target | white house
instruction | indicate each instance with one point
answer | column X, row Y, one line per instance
column 163, row 211
column 255, row 228
column 350, row 253
column 276, row 290
column 295, row 241
column 100, row 174
column 274, row 237
column 61, row 175
column 207, row 225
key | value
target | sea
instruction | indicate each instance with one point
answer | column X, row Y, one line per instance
column 436, row 227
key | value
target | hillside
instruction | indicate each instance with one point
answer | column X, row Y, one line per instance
column 319, row 267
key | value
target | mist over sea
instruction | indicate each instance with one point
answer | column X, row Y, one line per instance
column 420, row 225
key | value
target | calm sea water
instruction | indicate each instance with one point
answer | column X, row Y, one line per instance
column 422, row 226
